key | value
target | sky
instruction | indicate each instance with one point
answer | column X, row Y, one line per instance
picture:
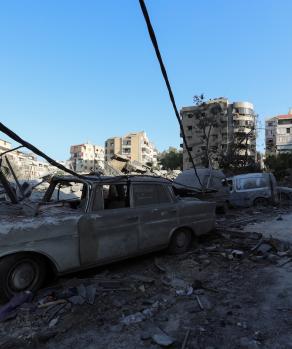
column 73, row 71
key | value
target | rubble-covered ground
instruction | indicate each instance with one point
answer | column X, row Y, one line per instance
column 233, row 290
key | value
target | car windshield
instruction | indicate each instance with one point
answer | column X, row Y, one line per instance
column 72, row 192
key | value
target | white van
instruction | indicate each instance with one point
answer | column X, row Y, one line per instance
column 253, row 189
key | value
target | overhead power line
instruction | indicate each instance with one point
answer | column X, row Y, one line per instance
column 164, row 73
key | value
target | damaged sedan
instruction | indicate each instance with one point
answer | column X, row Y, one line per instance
column 85, row 222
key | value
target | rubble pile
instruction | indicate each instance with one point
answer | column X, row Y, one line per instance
column 224, row 293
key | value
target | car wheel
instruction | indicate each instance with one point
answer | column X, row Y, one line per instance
column 261, row 202
column 180, row 241
column 21, row 272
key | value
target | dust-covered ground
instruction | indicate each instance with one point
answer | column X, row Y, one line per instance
column 233, row 290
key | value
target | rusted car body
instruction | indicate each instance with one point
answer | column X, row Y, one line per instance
column 93, row 222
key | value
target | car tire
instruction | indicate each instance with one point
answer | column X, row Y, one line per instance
column 21, row 272
column 261, row 202
column 180, row 241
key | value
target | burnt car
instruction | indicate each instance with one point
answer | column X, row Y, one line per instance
column 213, row 181
column 91, row 221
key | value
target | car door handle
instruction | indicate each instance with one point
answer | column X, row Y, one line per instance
column 155, row 210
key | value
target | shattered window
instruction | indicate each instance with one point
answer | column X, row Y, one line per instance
column 68, row 191
column 149, row 194
column 115, row 196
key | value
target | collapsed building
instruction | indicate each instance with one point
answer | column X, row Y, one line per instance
column 26, row 165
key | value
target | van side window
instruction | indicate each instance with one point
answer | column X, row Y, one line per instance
column 149, row 194
column 250, row 183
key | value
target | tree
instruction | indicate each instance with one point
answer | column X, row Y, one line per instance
column 171, row 159
column 280, row 165
column 213, row 120
column 209, row 118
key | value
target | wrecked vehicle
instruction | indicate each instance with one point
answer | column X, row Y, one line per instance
column 253, row 189
column 285, row 195
column 213, row 181
column 91, row 221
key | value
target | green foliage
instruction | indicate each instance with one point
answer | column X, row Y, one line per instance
column 171, row 159
column 279, row 164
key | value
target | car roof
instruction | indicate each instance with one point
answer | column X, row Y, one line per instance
column 112, row 179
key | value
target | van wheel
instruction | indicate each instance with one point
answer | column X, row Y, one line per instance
column 21, row 272
column 180, row 241
column 261, row 202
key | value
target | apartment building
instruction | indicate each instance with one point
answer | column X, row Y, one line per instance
column 25, row 165
column 135, row 146
column 278, row 132
column 232, row 134
column 86, row 157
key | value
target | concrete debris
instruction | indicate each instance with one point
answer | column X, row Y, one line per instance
column 90, row 294
column 237, row 253
column 133, row 318
column 264, row 248
column 15, row 302
column 163, row 340
column 142, row 278
column 184, row 344
column 53, row 322
column 140, row 316
column 77, row 300
column 179, row 301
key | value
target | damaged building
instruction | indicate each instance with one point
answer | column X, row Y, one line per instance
column 26, row 165
column 86, row 157
column 279, row 134
column 217, row 131
column 135, row 146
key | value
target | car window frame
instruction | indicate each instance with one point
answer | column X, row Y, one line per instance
column 165, row 187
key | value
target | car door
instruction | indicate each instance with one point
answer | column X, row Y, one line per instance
column 109, row 231
column 157, row 211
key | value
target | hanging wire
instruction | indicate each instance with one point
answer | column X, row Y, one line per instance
column 164, row 73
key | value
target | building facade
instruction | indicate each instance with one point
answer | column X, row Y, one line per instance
column 216, row 130
column 135, row 146
column 278, row 131
column 25, row 165
column 86, row 157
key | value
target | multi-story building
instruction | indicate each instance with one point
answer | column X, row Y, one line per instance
column 25, row 165
column 217, row 129
column 279, row 134
column 86, row 157
column 4, row 146
column 135, row 146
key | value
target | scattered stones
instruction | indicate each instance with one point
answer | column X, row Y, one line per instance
column 53, row 322
column 162, row 340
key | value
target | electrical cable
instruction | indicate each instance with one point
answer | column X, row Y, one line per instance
column 164, row 73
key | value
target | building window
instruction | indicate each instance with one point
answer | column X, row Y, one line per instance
column 190, row 128
column 287, row 130
column 190, row 116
